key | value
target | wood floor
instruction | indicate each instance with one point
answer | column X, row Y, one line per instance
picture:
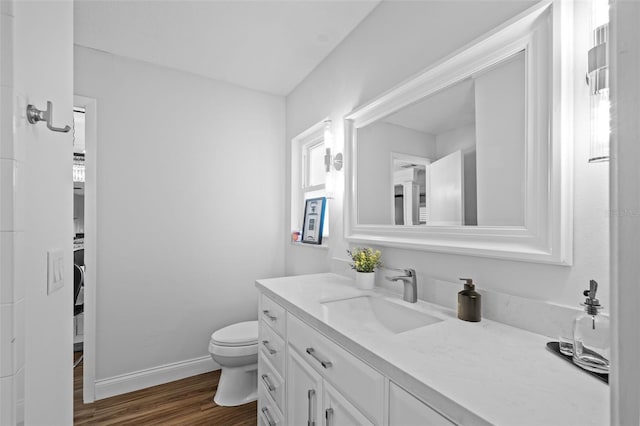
column 184, row 402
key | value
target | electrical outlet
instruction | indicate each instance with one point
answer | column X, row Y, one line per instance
column 55, row 270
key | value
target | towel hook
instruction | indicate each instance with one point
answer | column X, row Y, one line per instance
column 35, row 115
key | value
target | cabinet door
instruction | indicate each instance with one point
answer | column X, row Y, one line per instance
column 340, row 412
column 349, row 374
column 304, row 392
column 407, row 410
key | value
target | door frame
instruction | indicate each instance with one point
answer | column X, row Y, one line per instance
column 90, row 245
column 624, row 212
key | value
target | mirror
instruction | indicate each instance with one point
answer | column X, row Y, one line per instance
column 467, row 156
column 458, row 155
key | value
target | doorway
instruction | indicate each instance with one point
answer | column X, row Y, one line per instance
column 85, row 241
column 78, row 232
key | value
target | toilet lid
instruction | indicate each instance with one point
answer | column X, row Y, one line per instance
column 239, row 334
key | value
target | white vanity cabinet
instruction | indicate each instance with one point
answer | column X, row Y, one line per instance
column 315, row 360
column 313, row 401
column 273, row 315
column 304, row 392
column 363, row 386
column 306, row 378
column 268, row 413
column 271, row 363
column 360, row 373
column 340, row 412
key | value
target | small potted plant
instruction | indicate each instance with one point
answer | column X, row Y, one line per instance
column 365, row 262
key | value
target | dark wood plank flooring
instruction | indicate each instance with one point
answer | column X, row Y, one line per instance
column 184, row 402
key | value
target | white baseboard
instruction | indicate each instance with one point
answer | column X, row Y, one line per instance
column 137, row 380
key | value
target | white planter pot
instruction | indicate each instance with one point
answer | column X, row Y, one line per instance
column 365, row 280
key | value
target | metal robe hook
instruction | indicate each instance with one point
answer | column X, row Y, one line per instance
column 35, row 115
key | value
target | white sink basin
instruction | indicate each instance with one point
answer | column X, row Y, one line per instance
column 375, row 313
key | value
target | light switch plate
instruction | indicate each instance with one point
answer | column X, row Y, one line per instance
column 55, row 270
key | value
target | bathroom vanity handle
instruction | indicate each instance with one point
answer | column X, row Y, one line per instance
column 267, row 416
column 268, row 315
column 310, row 394
column 265, row 343
column 267, row 383
column 328, row 415
column 325, row 364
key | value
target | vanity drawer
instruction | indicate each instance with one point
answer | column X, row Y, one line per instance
column 362, row 385
column 272, row 382
column 268, row 412
column 274, row 315
column 273, row 348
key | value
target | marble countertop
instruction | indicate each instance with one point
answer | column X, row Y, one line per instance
column 475, row 373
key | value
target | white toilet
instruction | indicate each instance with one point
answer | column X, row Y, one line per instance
column 235, row 348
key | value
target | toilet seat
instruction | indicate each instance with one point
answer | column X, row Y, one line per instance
column 233, row 351
column 236, row 335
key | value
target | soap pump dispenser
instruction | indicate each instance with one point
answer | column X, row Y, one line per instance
column 591, row 331
column 469, row 308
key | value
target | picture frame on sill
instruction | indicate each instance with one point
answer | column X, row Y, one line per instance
column 313, row 220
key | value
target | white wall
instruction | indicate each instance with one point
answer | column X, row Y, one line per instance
column 500, row 144
column 38, row 214
column 397, row 40
column 459, row 139
column 375, row 145
column 190, row 194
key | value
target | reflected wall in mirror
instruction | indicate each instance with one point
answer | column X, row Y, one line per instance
column 472, row 156
column 457, row 156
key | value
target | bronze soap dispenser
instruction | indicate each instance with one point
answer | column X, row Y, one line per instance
column 469, row 308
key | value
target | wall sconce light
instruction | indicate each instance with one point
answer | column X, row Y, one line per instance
column 332, row 162
column 335, row 161
column 329, row 159
column 598, row 81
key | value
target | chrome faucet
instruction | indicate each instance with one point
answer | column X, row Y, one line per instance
column 410, row 285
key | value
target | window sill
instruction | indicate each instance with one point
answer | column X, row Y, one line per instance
column 323, row 246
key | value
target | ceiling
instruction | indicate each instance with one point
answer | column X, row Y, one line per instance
column 440, row 112
column 265, row 45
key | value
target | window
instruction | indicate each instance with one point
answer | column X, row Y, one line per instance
column 308, row 173
column 313, row 158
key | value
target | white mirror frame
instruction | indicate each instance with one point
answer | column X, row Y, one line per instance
column 544, row 33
